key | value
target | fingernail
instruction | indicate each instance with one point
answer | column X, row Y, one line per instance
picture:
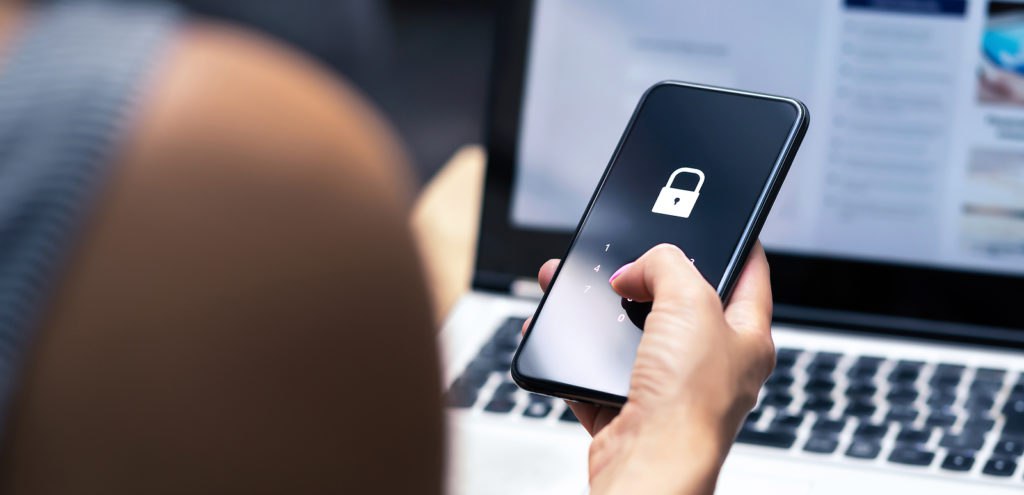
column 620, row 271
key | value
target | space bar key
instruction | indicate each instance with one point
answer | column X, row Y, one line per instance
column 779, row 439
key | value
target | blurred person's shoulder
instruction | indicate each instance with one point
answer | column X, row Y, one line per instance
column 227, row 101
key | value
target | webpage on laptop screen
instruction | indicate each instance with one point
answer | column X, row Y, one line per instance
column 916, row 149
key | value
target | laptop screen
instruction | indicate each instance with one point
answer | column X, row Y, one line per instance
column 915, row 154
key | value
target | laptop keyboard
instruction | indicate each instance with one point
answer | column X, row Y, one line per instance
column 930, row 416
column 486, row 383
column 905, row 412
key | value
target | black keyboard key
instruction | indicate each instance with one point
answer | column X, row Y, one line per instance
column 777, row 399
column 821, row 444
column 482, row 364
column 819, row 385
column 981, row 387
column 915, row 436
column 568, row 416
column 777, row 439
column 875, row 361
column 864, row 449
column 495, row 359
column 786, row 357
column 513, row 325
column 939, row 400
column 537, row 409
column 820, row 370
column 500, row 405
column 869, row 430
column 1000, row 466
column 864, row 367
column 901, row 395
column 861, row 373
column 910, row 364
column 945, row 369
column 911, row 456
column 754, row 416
column 958, row 461
column 979, row 422
column 1009, row 447
column 946, row 376
column 508, row 335
column 967, row 440
column 485, row 356
column 824, row 363
column 861, row 390
column 461, row 397
column 945, row 382
column 472, row 379
column 489, row 352
column 506, row 390
column 1013, row 413
column 980, row 393
column 990, row 375
column 981, row 403
column 906, row 372
column 941, row 418
column 904, row 376
column 825, row 425
column 860, row 409
column 902, row 414
column 779, row 380
column 819, row 404
column 503, row 363
column 827, row 358
column 785, row 421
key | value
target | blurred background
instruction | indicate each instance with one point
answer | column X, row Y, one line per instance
column 425, row 63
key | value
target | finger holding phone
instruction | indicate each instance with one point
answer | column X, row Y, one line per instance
column 697, row 373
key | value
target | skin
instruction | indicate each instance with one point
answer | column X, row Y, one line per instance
column 697, row 374
column 226, row 323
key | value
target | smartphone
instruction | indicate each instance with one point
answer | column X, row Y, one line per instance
column 698, row 167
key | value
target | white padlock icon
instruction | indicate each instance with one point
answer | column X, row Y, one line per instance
column 678, row 202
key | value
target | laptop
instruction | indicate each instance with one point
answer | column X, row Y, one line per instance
column 896, row 244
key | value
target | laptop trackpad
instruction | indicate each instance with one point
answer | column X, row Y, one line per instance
column 495, row 456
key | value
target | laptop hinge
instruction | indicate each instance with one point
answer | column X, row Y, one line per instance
column 492, row 281
column 507, row 284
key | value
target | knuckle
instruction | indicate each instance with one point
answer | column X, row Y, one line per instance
column 702, row 294
column 665, row 252
column 764, row 349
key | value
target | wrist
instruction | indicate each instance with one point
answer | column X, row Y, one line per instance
column 678, row 453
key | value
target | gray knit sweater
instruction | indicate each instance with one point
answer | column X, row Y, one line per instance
column 68, row 80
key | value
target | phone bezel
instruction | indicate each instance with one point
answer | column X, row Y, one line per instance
column 749, row 235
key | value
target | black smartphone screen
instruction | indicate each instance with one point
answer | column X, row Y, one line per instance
column 697, row 167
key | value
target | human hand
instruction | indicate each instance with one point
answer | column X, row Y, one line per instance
column 697, row 373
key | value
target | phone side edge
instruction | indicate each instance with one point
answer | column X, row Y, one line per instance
column 771, row 190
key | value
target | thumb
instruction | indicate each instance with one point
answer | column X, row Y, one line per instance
column 664, row 275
